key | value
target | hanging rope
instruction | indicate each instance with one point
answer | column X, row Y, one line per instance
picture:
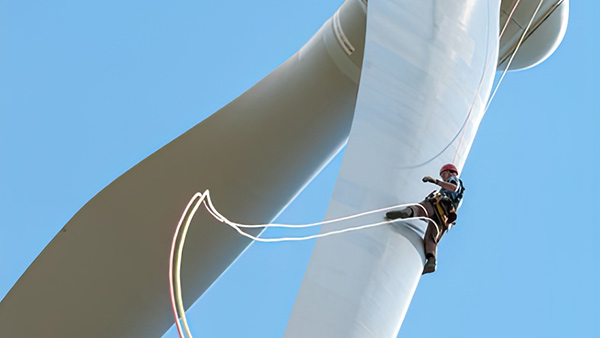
column 514, row 53
column 461, row 131
column 203, row 199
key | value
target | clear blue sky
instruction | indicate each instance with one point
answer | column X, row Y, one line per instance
column 88, row 89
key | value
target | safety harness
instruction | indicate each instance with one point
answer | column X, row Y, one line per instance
column 444, row 207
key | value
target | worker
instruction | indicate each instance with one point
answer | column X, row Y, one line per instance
column 441, row 206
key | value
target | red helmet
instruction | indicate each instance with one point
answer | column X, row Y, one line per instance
column 449, row 167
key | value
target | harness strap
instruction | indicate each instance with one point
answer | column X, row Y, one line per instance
column 447, row 217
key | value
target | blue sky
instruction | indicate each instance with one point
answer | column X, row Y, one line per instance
column 89, row 89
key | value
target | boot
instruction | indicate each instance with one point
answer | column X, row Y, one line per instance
column 404, row 213
column 430, row 265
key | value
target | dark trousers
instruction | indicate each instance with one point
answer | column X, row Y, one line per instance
column 433, row 234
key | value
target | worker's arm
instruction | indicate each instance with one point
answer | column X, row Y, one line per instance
column 446, row 185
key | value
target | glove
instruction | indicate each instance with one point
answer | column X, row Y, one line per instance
column 428, row 179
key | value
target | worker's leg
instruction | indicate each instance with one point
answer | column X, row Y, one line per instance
column 425, row 209
column 433, row 235
column 431, row 240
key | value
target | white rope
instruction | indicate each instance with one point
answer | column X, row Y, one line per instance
column 508, row 19
column 515, row 51
column 200, row 199
column 462, row 128
column 222, row 218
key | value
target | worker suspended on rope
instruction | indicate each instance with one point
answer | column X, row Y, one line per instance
column 441, row 206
